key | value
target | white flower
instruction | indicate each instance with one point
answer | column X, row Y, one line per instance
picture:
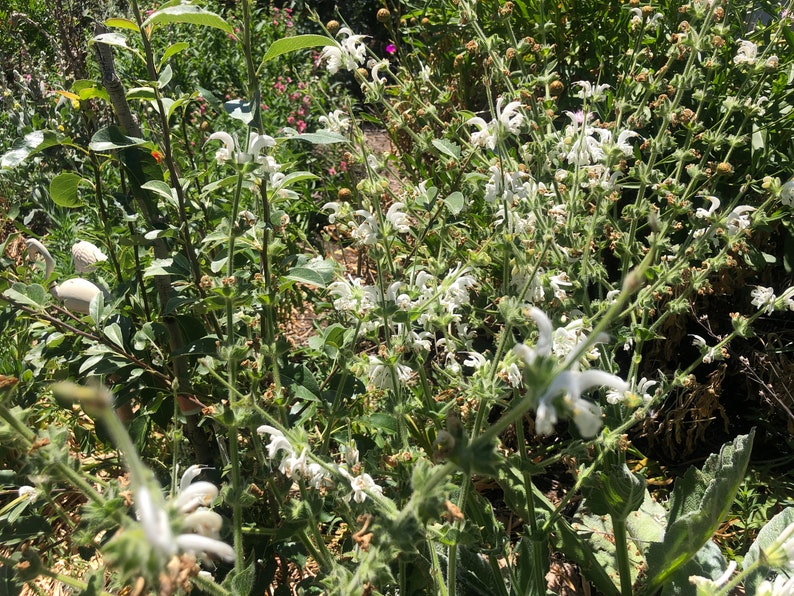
column 514, row 375
column 336, row 121
column 747, row 53
column 278, row 442
column 558, row 284
column 572, row 383
column 484, row 136
column 623, row 141
column 705, row 585
column 199, row 545
column 352, row 296
column 348, row 53
column 510, row 118
column 334, row 208
column 361, row 485
column 231, row 151
column 708, row 353
column 154, row 519
column 652, row 23
column 589, row 91
column 398, row 218
column 28, row 492
column 383, row 376
column 705, row 214
column 738, row 219
column 204, row 522
column 367, row 231
column 197, row 494
column 764, row 299
column 376, row 66
column 475, row 360
column 633, row 397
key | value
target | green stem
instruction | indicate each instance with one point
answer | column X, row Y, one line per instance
column 622, row 554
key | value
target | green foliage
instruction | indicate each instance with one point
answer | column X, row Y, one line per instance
column 364, row 362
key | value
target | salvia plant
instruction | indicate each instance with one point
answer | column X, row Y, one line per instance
column 298, row 363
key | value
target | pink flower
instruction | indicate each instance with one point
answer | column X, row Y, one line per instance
column 391, row 48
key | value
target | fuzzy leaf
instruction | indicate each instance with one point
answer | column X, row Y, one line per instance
column 700, row 501
column 773, row 528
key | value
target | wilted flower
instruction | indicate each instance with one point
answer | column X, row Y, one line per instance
column 28, row 492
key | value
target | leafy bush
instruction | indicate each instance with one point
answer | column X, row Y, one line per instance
column 343, row 362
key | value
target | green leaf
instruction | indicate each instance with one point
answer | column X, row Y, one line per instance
column 643, row 526
column 172, row 50
column 242, row 582
column 165, row 76
column 143, row 93
column 447, row 148
column 21, row 297
column 33, row 142
column 321, row 137
column 512, row 480
column 122, row 24
column 306, row 276
column 700, row 501
column 708, row 562
column 190, row 14
column 110, row 138
column 768, row 534
column 88, row 89
column 113, row 333
column 112, row 39
column 455, row 202
column 615, row 491
column 63, row 189
column 160, row 188
column 285, row 45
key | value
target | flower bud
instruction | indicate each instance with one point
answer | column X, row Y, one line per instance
column 332, row 26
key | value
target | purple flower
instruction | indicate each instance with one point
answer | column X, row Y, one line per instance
column 391, row 48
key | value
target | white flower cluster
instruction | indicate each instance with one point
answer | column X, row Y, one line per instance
column 507, row 121
column 199, row 526
column 564, row 393
column 336, row 121
column 231, row 151
column 297, row 467
column 764, row 298
column 348, row 53
column 294, row 466
column 586, row 145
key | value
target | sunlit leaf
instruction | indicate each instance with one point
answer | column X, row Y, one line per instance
column 286, row 45
column 190, row 14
